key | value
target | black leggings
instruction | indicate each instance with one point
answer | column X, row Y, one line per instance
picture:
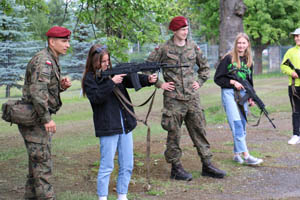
column 295, row 103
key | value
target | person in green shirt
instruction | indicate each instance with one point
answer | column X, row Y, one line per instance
column 293, row 54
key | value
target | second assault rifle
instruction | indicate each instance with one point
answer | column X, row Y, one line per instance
column 250, row 93
column 132, row 70
column 290, row 64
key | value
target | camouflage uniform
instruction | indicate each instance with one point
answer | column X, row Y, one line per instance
column 42, row 88
column 183, row 103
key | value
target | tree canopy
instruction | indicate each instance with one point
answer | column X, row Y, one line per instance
column 124, row 25
column 118, row 24
column 122, row 22
column 269, row 22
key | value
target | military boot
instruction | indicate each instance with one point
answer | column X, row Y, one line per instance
column 178, row 173
column 209, row 170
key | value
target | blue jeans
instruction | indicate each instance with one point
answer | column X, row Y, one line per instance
column 236, row 120
column 108, row 146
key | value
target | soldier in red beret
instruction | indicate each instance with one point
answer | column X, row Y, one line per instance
column 181, row 99
column 58, row 32
column 42, row 86
column 58, row 40
column 177, row 23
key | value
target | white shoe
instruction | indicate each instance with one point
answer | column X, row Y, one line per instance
column 122, row 197
column 238, row 159
column 253, row 161
column 295, row 139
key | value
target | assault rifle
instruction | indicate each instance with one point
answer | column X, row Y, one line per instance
column 132, row 70
column 250, row 93
column 290, row 64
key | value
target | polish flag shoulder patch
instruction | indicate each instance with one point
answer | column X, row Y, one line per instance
column 49, row 62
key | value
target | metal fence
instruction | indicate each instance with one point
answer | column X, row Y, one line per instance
column 14, row 56
column 274, row 56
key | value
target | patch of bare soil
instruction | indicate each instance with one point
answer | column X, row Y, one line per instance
column 277, row 178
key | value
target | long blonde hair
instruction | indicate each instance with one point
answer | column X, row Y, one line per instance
column 234, row 53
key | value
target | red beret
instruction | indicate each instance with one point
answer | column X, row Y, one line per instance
column 58, row 32
column 177, row 23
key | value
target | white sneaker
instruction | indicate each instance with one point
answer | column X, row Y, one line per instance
column 122, row 197
column 238, row 159
column 253, row 161
column 295, row 139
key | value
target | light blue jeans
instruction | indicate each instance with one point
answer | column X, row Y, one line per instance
column 108, row 146
column 236, row 120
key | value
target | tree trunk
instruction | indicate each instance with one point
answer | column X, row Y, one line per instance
column 258, row 59
column 231, row 23
column 7, row 92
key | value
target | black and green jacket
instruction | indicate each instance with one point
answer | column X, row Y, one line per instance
column 222, row 76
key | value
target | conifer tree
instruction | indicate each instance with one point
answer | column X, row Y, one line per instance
column 11, row 66
column 74, row 63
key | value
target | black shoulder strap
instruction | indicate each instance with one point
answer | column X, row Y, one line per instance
column 125, row 101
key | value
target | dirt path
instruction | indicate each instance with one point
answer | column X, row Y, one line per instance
column 277, row 178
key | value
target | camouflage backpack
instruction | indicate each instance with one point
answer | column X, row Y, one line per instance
column 18, row 112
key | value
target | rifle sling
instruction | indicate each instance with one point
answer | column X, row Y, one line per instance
column 124, row 100
column 120, row 94
column 258, row 121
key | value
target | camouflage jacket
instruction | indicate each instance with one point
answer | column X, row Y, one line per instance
column 190, row 54
column 42, row 84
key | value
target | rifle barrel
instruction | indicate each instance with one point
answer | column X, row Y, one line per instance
column 252, row 94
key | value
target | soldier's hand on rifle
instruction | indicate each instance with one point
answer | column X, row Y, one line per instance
column 251, row 102
column 169, row 86
column 152, row 78
column 118, row 78
column 50, row 127
column 295, row 75
column 196, row 85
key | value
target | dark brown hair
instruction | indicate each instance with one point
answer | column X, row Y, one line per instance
column 93, row 61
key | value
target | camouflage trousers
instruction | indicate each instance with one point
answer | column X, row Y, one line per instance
column 39, row 163
column 175, row 112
